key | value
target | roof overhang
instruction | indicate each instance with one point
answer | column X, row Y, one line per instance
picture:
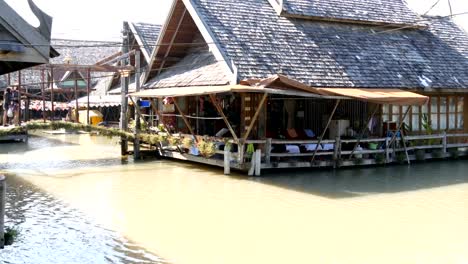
column 378, row 96
column 235, row 88
column 282, row 85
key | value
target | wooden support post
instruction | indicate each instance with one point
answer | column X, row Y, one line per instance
column 123, row 93
column 268, row 147
column 403, row 141
column 387, row 150
column 258, row 161
column 252, row 165
column 160, row 116
column 227, row 161
column 336, row 152
column 43, row 95
column 399, row 126
column 363, row 130
column 444, row 143
column 17, row 116
column 2, row 210
column 326, row 128
column 240, row 151
column 136, row 143
column 226, row 121
column 77, row 119
column 88, row 91
column 52, row 107
column 184, row 118
column 255, row 117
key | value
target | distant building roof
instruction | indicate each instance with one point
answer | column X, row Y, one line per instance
column 394, row 12
column 147, row 35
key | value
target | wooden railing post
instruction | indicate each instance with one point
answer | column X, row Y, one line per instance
column 444, row 142
column 387, row 152
column 240, row 151
column 268, row 151
column 336, row 152
column 227, row 161
column 258, row 162
column 2, row 210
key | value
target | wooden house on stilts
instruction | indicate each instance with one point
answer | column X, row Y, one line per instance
column 305, row 83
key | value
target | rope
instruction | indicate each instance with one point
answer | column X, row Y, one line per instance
column 194, row 117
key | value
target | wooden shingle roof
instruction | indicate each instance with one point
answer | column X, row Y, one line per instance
column 393, row 12
column 261, row 43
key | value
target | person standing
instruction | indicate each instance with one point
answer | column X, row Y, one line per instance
column 15, row 100
column 6, row 105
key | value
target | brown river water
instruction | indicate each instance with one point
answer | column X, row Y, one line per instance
column 77, row 201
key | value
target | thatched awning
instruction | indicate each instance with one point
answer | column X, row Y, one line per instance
column 237, row 88
column 378, row 96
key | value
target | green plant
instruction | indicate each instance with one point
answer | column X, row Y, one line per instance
column 11, row 235
column 427, row 125
column 187, row 142
column 379, row 158
column 358, row 161
column 250, row 150
column 206, row 148
column 420, row 154
column 437, row 154
column 173, row 141
column 454, row 153
column 400, row 157
column 143, row 124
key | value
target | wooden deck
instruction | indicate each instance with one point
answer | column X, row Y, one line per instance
column 14, row 137
column 415, row 148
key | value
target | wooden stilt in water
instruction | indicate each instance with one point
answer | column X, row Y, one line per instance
column 2, row 210
column 258, row 162
column 227, row 161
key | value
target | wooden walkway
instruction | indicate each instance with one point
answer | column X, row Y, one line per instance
column 407, row 150
column 14, row 137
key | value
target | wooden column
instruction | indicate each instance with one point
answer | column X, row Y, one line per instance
column 77, row 119
column 226, row 121
column 183, row 117
column 326, row 128
column 52, row 107
column 465, row 114
column 124, row 90
column 2, row 210
column 255, row 117
column 88, row 90
column 43, row 95
column 136, row 143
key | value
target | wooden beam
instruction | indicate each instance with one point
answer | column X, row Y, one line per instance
column 160, row 116
column 255, row 117
column 220, row 111
column 326, row 128
column 181, row 19
column 363, row 130
column 183, row 117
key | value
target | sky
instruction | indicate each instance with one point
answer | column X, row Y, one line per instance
column 102, row 19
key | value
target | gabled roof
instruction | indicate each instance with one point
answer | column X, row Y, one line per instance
column 146, row 35
column 387, row 12
column 326, row 54
column 82, row 52
column 23, row 45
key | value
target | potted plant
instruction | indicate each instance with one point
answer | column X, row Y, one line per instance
column 206, row 148
column 173, row 141
column 187, row 142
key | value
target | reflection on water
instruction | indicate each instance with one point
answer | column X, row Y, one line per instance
column 193, row 214
column 52, row 232
column 346, row 183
